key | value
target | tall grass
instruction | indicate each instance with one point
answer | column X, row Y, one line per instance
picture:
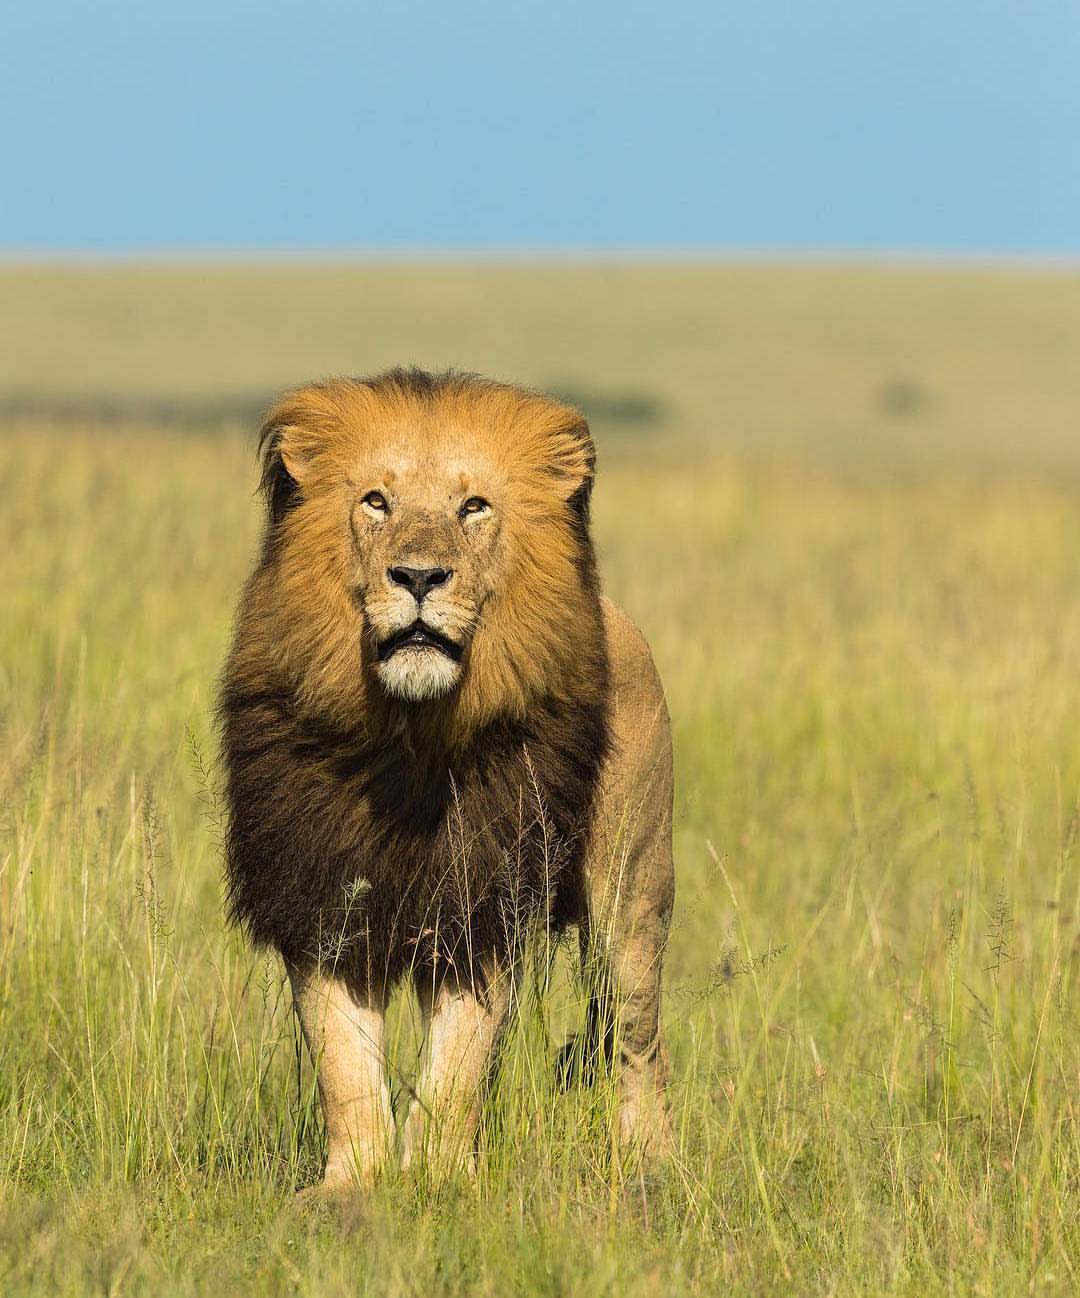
column 872, row 981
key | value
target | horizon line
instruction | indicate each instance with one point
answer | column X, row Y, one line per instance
column 525, row 255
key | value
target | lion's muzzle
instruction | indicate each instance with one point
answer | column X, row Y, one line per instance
column 419, row 636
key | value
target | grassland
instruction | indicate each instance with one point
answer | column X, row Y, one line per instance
column 851, row 529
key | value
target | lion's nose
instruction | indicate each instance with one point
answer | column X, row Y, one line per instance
column 419, row 580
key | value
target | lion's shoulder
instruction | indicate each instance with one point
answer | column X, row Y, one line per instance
column 633, row 675
column 639, row 725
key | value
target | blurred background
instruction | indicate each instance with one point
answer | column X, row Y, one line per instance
column 836, row 230
column 812, row 272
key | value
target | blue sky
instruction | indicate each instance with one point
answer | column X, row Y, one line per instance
column 824, row 125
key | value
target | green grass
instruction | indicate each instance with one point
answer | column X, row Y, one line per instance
column 870, row 647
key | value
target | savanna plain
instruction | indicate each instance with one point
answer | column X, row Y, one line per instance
column 843, row 502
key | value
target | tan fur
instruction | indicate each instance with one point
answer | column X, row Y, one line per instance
column 630, row 878
column 345, row 1037
column 462, row 1025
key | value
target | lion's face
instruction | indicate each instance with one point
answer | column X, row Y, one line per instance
column 429, row 541
column 428, row 538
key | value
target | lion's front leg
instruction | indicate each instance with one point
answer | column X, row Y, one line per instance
column 464, row 1019
column 344, row 1034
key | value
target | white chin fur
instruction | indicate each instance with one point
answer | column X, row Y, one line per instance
column 418, row 674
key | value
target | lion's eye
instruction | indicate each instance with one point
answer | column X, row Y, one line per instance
column 475, row 505
column 377, row 501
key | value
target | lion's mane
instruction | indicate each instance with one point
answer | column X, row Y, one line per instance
column 372, row 833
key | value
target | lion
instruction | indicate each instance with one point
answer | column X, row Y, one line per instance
column 439, row 738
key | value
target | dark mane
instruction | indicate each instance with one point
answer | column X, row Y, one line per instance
column 375, row 861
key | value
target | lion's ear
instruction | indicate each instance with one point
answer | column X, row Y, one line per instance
column 289, row 441
column 574, row 463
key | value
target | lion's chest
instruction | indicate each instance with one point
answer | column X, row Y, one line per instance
column 368, row 861
column 476, row 854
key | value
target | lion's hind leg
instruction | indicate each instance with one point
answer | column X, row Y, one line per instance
column 620, row 1043
column 629, row 891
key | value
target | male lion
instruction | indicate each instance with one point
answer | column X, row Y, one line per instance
column 438, row 736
